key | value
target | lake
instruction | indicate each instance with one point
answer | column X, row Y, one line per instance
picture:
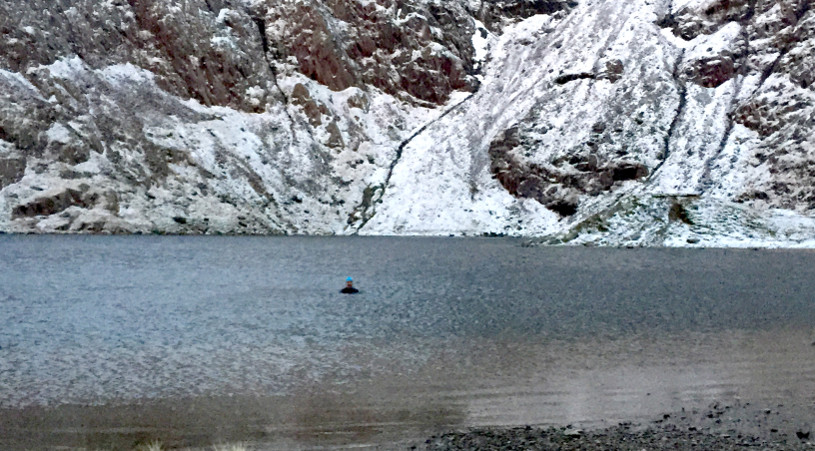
column 108, row 340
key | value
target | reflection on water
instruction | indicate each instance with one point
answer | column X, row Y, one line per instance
column 630, row 379
column 200, row 340
column 587, row 383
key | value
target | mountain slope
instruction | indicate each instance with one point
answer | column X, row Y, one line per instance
column 643, row 122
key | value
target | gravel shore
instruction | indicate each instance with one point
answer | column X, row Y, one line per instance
column 200, row 423
column 720, row 427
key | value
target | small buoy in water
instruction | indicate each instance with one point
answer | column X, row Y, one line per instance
column 349, row 287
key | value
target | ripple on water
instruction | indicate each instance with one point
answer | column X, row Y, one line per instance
column 485, row 331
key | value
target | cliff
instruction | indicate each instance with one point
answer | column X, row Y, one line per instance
column 646, row 122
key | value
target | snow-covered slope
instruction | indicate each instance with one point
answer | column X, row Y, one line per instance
column 644, row 122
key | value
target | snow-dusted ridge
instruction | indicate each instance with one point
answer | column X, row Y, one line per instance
column 678, row 123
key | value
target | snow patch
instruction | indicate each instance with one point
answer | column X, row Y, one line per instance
column 714, row 44
column 67, row 67
column 223, row 42
column 58, row 133
column 119, row 73
column 223, row 15
column 20, row 81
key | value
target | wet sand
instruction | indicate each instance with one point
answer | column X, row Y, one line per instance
column 730, row 388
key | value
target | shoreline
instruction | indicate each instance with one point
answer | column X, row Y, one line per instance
column 665, row 433
column 198, row 424
column 535, row 241
column 720, row 426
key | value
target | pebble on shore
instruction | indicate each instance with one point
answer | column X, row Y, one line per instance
column 720, row 427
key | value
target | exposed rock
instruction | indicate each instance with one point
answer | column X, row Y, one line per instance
column 360, row 101
column 11, row 171
column 112, row 202
column 708, row 17
column 678, row 212
column 559, row 185
column 49, row 205
column 712, row 71
column 497, row 14
column 191, row 53
column 335, row 140
column 423, row 50
column 318, row 52
column 405, row 116
column 313, row 110
column 614, row 70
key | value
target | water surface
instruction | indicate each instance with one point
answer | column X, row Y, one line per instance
column 251, row 334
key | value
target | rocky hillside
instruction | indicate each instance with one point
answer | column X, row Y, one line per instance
column 644, row 122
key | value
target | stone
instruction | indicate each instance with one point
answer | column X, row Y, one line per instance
column 711, row 72
column 49, row 205
column 11, row 171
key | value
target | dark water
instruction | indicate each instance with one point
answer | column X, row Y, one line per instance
column 446, row 332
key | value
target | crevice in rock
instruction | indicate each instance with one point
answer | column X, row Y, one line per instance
column 751, row 12
column 566, row 78
column 750, row 114
column 379, row 191
column 758, row 112
column 418, row 132
column 264, row 41
column 705, row 181
column 668, row 20
column 211, row 8
column 680, row 109
column 782, row 52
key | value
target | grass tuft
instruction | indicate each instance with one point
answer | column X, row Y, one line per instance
column 155, row 445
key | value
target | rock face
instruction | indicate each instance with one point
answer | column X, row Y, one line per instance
column 405, row 49
column 583, row 121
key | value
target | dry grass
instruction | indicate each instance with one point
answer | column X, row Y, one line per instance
column 231, row 447
column 152, row 446
column 156, row 446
